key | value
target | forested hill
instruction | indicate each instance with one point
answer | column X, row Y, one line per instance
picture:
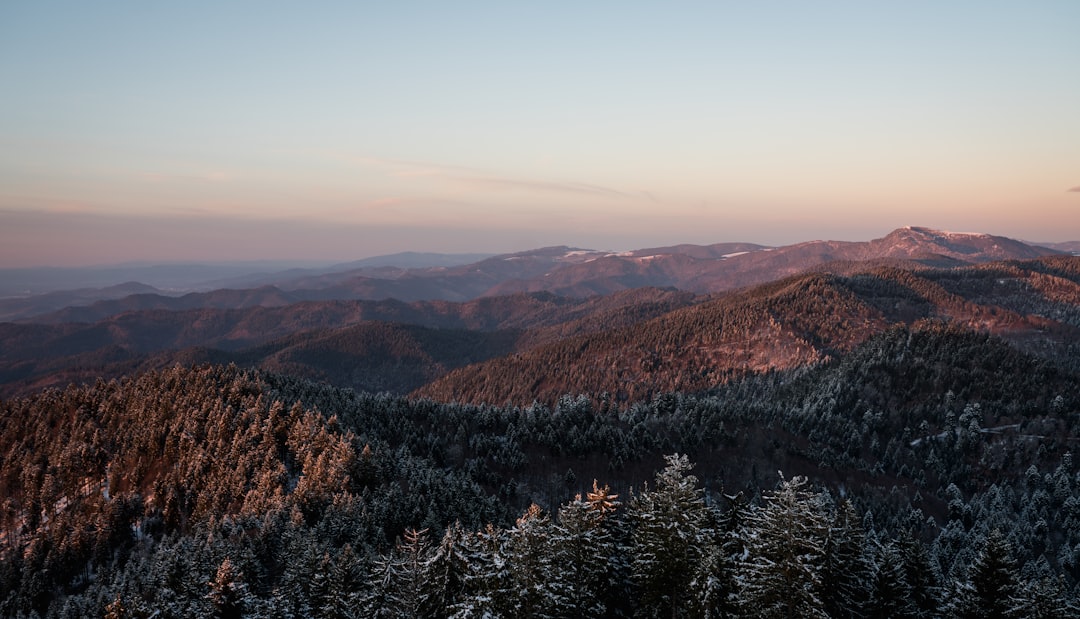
column 939, row 472
column 399, row 351
column 785, row 324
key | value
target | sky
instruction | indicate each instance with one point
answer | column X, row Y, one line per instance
column 201, row 131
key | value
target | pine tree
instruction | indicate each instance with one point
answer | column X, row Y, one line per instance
column 846, row 568
column 1048, row 598
column 116, row 609
column 488, row 582
column 380, row 598
column 228, row 592
column 445, row 574
column 338, row 599
column 300, row 556
column 537, row 589
column 601, row 502
column 669, row 539
column 891, row 596
column 921, row 576
column 585, row 550
column 613, row 538
column 713, row 589
column 992, row 589
column 786, row 554
column 412, row 556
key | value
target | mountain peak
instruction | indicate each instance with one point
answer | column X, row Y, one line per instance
column 914, row 241
column 939, row 234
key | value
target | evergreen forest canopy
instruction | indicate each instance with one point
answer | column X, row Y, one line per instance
column 928, row 472
column 863, row 441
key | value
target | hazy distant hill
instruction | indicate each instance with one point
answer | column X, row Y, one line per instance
column 27, row 307
column 694, row 268
column 460, row 283
column 572, row 272
column 1072, row 247
column 455, row 283
column 724, row 267
column 376, row 266
column 24, row 282
column 38, row 355
column 190, row 277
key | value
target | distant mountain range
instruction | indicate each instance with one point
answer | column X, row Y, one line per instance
column 627, row 325
column 180, row 278
column 564, row 271
column 1072, row 247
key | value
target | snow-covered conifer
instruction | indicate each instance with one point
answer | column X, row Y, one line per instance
column 782, row 572
column 669, row 538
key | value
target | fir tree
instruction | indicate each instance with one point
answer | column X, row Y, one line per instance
column 228, row 591
column 1048, row 598
column 488, row 581
column 785, row 554
column 412, row 556
column 669, row 539
column 338, row 599
column 538, row 590
column 846, row 568
column 992, row 589
column 713, row 589
column 891, row 595
column 445, row 573
column 921, row 576
column 380, row 597
column 300, row 557
column 585, row 550
column 719, row 595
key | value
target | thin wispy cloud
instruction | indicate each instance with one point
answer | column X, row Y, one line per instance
column 483, row 179
column 208, row 177
column 48, row 205
column 1075, row 189
column 542, row 186
column 396, row 210
column 388, row 202
column 408, row 169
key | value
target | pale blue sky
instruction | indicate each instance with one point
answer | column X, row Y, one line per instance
column 188, row 130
